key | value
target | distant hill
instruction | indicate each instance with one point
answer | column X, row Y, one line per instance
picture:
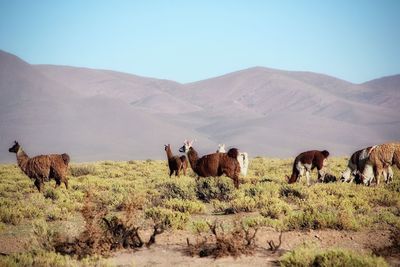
column 102, row 114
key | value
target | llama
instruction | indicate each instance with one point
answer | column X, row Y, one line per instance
column 42, row 168
column 307, row 161
column 214, row 164
column 380, row 158
column 243, row 159
column 356, row 165
column 175, row 163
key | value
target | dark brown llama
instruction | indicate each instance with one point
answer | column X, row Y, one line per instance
column 307, row 161
column 42, row 168
column 214, row 164
column 175, row 163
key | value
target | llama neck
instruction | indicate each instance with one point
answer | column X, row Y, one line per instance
column 22, row 159
column 193, row 157
column 169, row 153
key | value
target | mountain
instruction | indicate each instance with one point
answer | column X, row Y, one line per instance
column 101, row 114
column 46, row 116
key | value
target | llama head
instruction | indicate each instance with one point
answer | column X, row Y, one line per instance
column 186, row 146
column 166, row 147
column 325, row 153
column 221, row 148
column 14, row 148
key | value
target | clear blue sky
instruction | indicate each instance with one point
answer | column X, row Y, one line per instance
column 356, row 40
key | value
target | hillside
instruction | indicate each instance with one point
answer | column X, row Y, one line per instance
column 102, row 114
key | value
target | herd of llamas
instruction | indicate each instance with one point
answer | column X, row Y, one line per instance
column 364, row 166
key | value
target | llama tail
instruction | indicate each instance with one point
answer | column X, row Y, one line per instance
column 233, row 153
column 65, row 158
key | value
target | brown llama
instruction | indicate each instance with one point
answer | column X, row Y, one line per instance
column 380, row 158
column 42, row 168
column 356, row 166
column 307, row 161
column 215, row 164
column 175, row 163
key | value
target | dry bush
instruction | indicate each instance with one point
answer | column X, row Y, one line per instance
column 103, row 235
column 239, row 241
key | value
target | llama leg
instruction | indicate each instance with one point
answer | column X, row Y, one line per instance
column 58, row 183
column 171, row 172
column 321, row 175
column 184, row 170
column 236, row 181
column 377, row 171
column 66, row 182
column 38, row 184
column 308, row 178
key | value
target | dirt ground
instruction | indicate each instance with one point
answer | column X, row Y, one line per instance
column 171, row 249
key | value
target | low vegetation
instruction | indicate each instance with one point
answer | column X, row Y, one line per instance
column 308, row 255
column 144, row 191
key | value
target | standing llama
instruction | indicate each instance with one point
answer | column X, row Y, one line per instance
column 42, row 168
column 356, row 165
column 307, row 161
column 215, row 164
column 380, row 158
column 175, row 163
column 243, row 159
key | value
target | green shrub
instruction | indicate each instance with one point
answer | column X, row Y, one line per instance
column 276, row 209
column 312, row 256
column 183, row 205
column 77, row 170
column 168, row 218
column 45, row 259
column 220, row 188
column 181, row 189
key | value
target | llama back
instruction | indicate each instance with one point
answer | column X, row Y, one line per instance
column 59, row 163
column 38, row 166
column 385, row 152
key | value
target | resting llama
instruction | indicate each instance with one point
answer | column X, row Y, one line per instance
column 175, row 163
column 356, row 165
column 380, row 158
column 243, row 159
column 306, row 162
column 42, row 168
column 214, row 164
